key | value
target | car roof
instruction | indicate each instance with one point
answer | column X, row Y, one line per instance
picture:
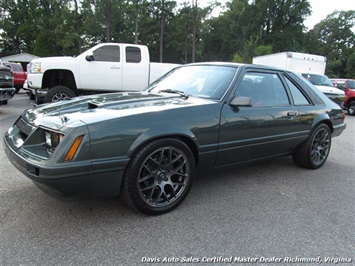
column 238, row 65
column 340, row 80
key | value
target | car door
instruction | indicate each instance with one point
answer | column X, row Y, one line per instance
column 269, row 127
column 102, row 69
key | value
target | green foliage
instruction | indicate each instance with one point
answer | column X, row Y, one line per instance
column 245, row 29
column 336, row 38
column 350, row 66
column 263, row 50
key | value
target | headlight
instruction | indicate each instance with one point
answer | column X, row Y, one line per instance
column 53, row 139
column 35, row 67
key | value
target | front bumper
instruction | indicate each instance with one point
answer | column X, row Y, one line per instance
column 7, row 93
column 66, row 182
column 338, row 99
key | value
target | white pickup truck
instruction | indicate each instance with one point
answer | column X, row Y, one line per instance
column 106, row 67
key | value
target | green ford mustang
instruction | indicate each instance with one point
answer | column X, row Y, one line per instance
column 149, row 145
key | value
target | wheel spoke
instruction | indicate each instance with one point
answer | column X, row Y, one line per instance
column 320, row 147
column 163, row 176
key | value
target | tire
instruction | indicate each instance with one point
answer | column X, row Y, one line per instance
column 351, row 108
column 58, row 93
column 315, row 150
column 32, row 96
column 3, row 102
column 159, row 176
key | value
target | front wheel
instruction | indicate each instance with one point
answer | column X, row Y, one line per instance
column 314, row 152
column 159, row 176
column 59, row 93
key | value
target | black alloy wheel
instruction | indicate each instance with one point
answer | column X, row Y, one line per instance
column 314, row 152
column 159, row 176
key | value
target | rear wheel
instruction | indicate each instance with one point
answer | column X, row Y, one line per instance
column 314, row 152
column 159, row 176
column 351, row 108
column 58, row 93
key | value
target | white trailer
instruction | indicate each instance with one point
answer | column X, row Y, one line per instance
column 296, row 62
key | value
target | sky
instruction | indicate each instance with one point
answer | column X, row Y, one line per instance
column 322, row 8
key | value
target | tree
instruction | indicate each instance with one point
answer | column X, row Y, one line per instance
column 336, row 40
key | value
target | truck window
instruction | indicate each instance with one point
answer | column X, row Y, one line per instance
column 133, row 54
column 108, row 53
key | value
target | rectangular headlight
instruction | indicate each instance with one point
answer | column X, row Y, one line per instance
column 53, row 139
column 35, row 67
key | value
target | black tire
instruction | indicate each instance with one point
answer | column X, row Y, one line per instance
column 32, row 96
column 58, row 93
column 3, row 102
column 351, row 108
column 315, row 150
column 159, row 176
column 17, row 89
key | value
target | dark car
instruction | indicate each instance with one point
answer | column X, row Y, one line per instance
column 150, row 145
column 19, row 74
column 7, row 89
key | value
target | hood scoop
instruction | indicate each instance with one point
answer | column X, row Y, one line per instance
column 94, row 105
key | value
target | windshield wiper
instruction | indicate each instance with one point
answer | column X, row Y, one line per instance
column 181, row 93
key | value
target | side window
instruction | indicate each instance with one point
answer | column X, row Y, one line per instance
column 264, row 89
column 297, row 95
column 17, row 67
column 133, row 54
column 108, row 53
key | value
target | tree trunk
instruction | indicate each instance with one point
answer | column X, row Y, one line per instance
column 162, row 30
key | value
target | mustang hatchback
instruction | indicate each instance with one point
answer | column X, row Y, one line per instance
column 149, row 145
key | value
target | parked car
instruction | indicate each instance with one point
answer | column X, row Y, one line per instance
column 323, row 83
column 19, row 74
column 7, row 89
column 348, row 86
column 151, row 144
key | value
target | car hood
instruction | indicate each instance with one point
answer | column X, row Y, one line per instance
column 329, row 90
column 92, row 109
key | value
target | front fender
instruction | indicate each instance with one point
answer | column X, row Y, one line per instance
column 161, row 132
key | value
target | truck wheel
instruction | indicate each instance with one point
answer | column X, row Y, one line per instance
column 32, row 96
column 351, row 108
column 3, row 102
column 58, row 93
column 159, row 176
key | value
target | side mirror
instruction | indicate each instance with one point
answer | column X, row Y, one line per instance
column 90, row 58
column 241, row 101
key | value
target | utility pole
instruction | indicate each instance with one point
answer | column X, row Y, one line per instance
column 194, row 11
column 162, row 30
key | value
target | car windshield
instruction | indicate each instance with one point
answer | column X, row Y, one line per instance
column 197, row 81
column 320, row 80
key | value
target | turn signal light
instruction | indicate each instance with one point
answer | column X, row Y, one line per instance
column 74, row 147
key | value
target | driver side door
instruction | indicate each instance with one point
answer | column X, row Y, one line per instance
column 269, row 127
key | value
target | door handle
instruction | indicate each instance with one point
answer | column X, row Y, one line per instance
column 115, row 67
column 292, row 114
